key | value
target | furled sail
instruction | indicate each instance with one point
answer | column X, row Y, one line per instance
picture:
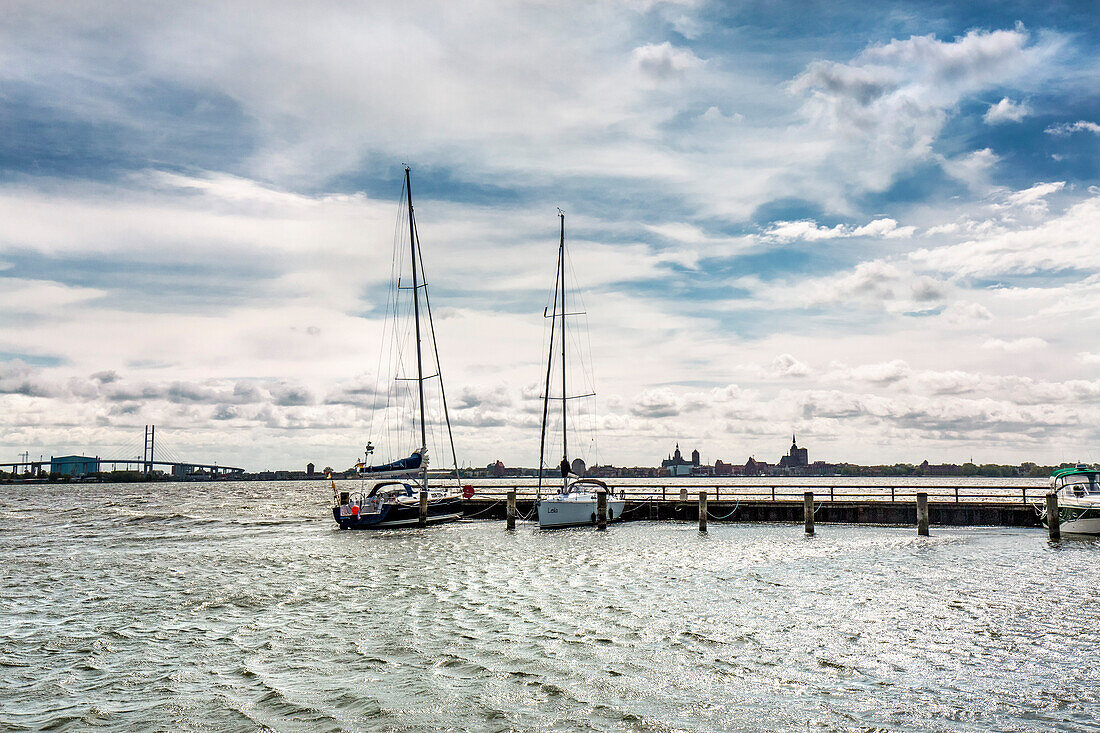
column 415, row 462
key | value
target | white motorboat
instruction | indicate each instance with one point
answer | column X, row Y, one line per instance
column 1078, row 491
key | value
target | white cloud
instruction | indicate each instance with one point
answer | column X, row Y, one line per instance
column 42, row 297
column 883, row 372
column 1089, row 357
column 1006, row 111
column 663, row 61
column 973, row 169
column 885, row 228
column 655, row 403
column 1032, row 200
column 964, row 313
column 1064, row 242
column 808, row 230
column 1068, row 128
column 805, row 230
column 786, row 365
column 1013, row 346
column 887, row 106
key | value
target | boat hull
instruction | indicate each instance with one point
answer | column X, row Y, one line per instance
column 397, row 516
column 1078, row 520
column 554, row 513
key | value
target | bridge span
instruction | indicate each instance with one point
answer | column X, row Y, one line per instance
column 80, row 465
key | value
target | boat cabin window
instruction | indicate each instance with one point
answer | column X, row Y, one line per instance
column 1082, row 484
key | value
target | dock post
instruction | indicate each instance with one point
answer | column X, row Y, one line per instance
column 601, row 510
column 808, row 511
column 922, row 514
column 1054, row 520
column 511, row 513
column 702, row 511
column 423, row 522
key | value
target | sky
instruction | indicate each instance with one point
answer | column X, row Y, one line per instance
column 872, row 224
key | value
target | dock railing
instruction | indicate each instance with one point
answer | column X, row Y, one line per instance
column 1004, row 494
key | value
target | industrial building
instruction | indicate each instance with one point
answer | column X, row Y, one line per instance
column 74, row 465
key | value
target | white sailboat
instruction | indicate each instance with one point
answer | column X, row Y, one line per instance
column 576, row 500
column 397, row 501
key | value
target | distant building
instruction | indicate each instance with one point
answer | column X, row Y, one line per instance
column 677, row 465
column 796, row 457
column 309, row 469
column 754, row 467
column 74, row 465
column 943, row 469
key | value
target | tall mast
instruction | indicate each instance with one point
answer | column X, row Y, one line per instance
column 435, row 349
column 549, row 367
column 564, row 400
column 416, row 321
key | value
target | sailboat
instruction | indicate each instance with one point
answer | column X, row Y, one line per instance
column 575, row 502
column 402, row 496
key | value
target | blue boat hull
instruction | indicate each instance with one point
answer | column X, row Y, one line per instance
column 396, row 516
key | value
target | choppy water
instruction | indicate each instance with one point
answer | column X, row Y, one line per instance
column 239, row 607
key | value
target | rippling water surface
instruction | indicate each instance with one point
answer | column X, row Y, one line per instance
column 240, row 607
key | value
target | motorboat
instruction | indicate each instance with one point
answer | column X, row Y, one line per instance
column 1078, row 492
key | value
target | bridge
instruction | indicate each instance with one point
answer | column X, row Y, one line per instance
column 83, row 465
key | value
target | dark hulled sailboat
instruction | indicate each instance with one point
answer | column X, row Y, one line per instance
column 406, row 499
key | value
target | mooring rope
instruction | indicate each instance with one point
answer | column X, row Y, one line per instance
column 637, row 505
column 727, row 516
column 477, row 514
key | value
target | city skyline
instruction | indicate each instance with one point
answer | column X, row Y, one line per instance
column 876, row 230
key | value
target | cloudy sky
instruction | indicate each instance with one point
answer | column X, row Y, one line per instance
column 873, row 223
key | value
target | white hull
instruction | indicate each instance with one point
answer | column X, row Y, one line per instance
column 1081, row 526
column 1079, row 515
column 571, row 510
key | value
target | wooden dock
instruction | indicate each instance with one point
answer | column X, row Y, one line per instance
column 1010, row 506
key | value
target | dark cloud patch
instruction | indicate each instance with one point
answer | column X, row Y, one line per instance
column 245, row 393
column 479, row 396
column 361, row 392
column 291, row 396
column 185, row 392
column 224, row 412
column 19, row 378
column 656, row 403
